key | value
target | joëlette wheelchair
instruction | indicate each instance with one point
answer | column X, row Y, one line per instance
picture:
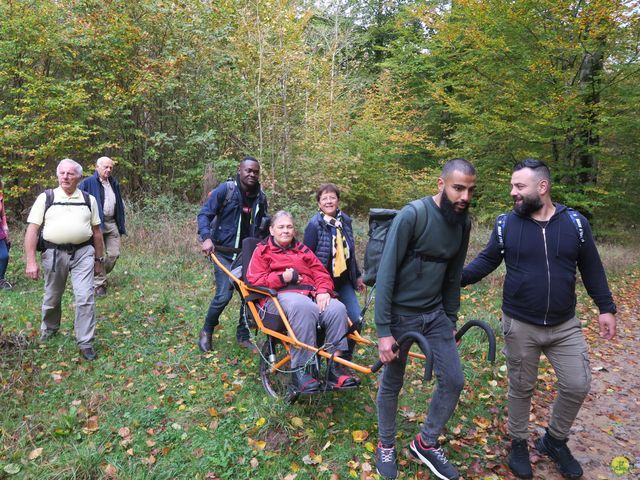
column 275, row 358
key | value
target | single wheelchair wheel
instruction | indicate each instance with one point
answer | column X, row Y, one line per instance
column 274, row 369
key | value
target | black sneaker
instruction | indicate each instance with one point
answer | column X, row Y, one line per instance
column 519, row 462
column 558, row 451
column 434, row 458
column 386, row 461
column 340, row 376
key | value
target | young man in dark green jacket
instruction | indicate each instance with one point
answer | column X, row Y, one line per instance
column 418, row 289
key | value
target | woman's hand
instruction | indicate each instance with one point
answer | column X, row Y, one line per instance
column 287, row 275
column 322, row 300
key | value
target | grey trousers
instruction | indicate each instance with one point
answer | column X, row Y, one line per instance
column 304, row 316
column 438, row 330
column 565, row 347
column 111, row 238
column 81, row 269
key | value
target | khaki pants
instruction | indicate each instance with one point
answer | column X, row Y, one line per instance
column 81, row 268
column 565, row 347
column 111, row 251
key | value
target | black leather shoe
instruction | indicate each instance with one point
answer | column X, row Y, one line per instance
column 204, row 341
column 89, row 354
column 304, row 382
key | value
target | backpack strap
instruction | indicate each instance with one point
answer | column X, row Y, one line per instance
column 574, row 216
column 421, row 217
column 231, row 187
column 501, row 223
column 87, row 199
column 48, row 199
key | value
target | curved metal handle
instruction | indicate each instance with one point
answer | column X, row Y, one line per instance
column 424, row 346
column 491, row 337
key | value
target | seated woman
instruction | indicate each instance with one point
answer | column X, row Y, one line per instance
column 281, row 263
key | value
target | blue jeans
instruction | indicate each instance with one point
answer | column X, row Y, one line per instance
column 438, row 330
column 347, row 295
column 224, row 292
column 4, row 257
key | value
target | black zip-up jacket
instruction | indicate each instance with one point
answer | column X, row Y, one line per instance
column 540, row 284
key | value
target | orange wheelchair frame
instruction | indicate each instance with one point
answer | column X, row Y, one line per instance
column 275, row 352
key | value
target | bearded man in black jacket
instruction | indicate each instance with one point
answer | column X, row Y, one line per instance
column 542, row 243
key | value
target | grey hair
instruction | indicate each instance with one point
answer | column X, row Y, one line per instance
column 461, row 165
column 76, row 165
column 281, row 213
column 102, row 158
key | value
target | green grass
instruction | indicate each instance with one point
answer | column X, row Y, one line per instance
column 153, row 407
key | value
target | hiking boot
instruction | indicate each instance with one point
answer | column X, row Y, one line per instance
column 519, row 462
column 304, row 382
column 558, row 451
column 340, row 376
column 204, row 341
column 4, row 285
column 386, row 461
column 433, row 457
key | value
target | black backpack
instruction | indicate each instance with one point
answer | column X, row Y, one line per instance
column 42, row 244
column 380, row 220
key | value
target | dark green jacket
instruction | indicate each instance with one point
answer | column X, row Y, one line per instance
column 419, row 271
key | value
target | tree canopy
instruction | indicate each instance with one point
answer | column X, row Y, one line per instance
column 372, row 95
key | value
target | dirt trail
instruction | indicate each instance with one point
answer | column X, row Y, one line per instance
column 608, row 425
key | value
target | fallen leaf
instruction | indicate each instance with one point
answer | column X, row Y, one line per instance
column 297, row 422
column 110, row 471
column 359, row 436
column 35, row 453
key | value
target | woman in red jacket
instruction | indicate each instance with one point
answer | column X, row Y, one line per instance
column 281, row 263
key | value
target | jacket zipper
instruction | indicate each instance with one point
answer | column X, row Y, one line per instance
column 546, row 257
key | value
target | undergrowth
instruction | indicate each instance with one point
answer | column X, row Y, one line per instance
column 153, row 407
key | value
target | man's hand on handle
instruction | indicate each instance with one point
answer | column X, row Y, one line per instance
column 207, row 247
column 384, row 349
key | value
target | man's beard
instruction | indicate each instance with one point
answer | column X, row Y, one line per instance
column 528, row 206
column 450, row 214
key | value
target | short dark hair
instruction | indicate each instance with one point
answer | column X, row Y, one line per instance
column 327, row 187
column 249, row 158
column 541, row 170
column 458, row 164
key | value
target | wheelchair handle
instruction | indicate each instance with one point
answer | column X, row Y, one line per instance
column 424, row 346
column 491, row 337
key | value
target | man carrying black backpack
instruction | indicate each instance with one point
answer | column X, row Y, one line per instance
column 418, row 289
column 234, row 210
column 542, row 243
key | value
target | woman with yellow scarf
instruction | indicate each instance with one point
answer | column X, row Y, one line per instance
column 330, row 236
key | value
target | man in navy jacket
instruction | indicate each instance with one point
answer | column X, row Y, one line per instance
column 106, row 189
column 541, row 245
column 233, row 211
